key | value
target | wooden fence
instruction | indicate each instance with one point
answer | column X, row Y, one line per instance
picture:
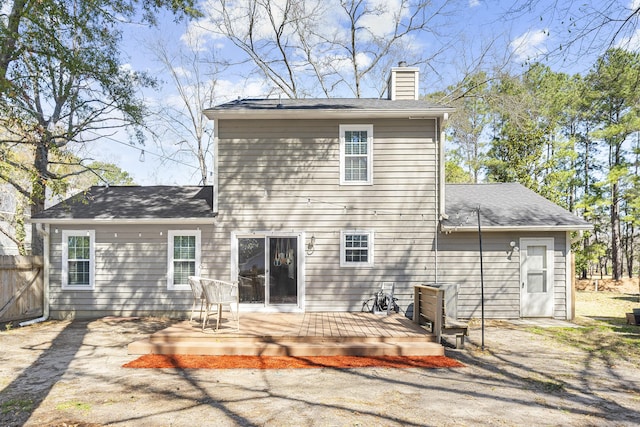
column 21, row 287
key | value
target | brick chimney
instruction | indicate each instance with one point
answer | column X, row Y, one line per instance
column 403, row 82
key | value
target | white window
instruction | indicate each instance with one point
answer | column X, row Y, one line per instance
column 356, row 154
column 183, row 258
column 356, row 248
column 78, row 259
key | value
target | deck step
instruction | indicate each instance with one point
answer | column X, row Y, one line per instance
column 297, row 334
column 296, row 348
column 171, row 338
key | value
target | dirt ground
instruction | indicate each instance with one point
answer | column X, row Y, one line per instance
column 624, row 286
column 70, row 374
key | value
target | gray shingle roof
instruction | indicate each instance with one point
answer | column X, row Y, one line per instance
column 323, row 104
column 337, row 108
column 503, row 206
column 132, row 203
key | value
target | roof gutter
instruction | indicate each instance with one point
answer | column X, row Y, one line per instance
column 338, row 113
column 151, row 221
column 496, row 228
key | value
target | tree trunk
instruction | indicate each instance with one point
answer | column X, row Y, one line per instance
column 8, row 48
column 616, row 243
column 616, row 252
column 630, row 252
column 585, row 181
column 38, row 194
column 585, row 246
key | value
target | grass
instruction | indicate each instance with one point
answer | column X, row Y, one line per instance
column 73, row 405
column 547, row 386
column 611, row 305
column 16, row 405
column 604, row 330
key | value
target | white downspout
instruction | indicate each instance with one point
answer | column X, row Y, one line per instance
column 437, row 122
column 216, row 190
column 440, row 182
column 45, row 280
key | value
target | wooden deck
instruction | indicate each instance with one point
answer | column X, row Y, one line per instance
column 296, row 334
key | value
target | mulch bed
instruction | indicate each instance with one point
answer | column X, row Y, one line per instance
column 286, row 362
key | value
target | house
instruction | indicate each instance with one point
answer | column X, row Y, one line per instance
column 526, row 242
column 314, row 204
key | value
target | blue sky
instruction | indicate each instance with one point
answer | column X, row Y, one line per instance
column 478, row 34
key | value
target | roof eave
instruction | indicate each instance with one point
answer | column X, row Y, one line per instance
column 504, row 228
column 330, row 113
column 104, row 221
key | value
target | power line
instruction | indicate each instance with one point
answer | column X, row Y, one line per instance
column 144, row 151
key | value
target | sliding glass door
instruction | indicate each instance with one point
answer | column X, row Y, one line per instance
column 268, row 270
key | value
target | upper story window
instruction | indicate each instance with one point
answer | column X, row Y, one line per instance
column 356, row 154
column 78, row 259
column 356, row 248
column 183, row 258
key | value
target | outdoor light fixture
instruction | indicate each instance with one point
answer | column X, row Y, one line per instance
column 310, row 245
column 512, row 248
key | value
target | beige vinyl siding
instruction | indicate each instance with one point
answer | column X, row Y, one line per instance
column 298, row 160
column 560, row 274
column 405, row 85
column 130, row 273
column 459, row 262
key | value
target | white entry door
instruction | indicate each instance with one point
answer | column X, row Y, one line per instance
column 536, row 277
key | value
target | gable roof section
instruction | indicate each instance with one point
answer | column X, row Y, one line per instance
column 132, row 204
column 329, row 107
column 504, row 207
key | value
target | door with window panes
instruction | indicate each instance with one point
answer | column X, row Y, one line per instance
column 536, row 277
column 268, row 270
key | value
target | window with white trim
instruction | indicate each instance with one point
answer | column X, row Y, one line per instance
column 78, row 259
column 356, row 248
column 356, row 154
column 183, row 258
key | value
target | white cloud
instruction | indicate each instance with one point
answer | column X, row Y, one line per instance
column 530, row 45
column 198, row 33
column 228, row 90
column 383, row 21
column 211, row 26
column 631, row 43
column 474, row 3
column 634, row 4
column 330, row 20
column 182, row 72
column 5, row 10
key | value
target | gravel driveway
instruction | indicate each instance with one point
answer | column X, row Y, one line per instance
column 70, row 373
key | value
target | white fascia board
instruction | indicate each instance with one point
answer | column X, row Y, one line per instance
column 327, row 114
column 107, row 221
column 467, row 228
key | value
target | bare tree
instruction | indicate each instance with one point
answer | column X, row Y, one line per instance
column 181, row 128
column 311, row 47
column 579, row 28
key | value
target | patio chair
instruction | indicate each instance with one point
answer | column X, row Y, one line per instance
column 218, row 293
column 198, row 295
